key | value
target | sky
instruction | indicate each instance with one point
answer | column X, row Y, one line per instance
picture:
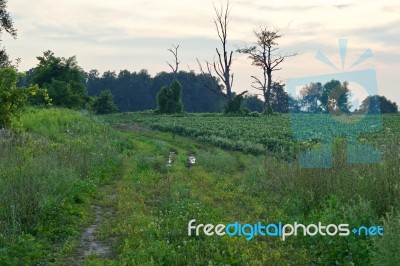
column 135, row 35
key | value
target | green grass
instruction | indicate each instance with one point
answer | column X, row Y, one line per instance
column 49, row 172
column 65, row 160
column 229, row 186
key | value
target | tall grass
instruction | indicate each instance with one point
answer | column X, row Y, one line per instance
column 49, row 171
column 230, row 186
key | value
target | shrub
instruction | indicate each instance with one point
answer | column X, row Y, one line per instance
column 104, row 104
column 169, row 99
column 234, row 106
column 14, row 99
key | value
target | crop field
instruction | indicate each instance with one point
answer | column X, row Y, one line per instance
column 282, row 135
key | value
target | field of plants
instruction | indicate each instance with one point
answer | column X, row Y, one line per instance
column 256, row 186
column 283, row 136
column 66, row 173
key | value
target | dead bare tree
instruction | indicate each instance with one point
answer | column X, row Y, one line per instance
column 222, row 66
column 175, row 54
column 268, row 57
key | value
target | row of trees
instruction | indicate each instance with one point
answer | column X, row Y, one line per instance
column 334, row 97
column 137, row 91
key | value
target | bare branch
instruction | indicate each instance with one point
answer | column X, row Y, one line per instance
column 175, row 54
column 214, row 87
column 190, row 70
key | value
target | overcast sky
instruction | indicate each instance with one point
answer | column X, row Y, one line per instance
column 134, row 34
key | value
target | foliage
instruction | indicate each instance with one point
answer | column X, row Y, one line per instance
column 104, row 103
column 59, row 162
column 136, row 91
column 377, row 105
column 169, row 99
column 235, row 105
column 279, row 98
column 15, row 99
column 335, row 98
column 224, row 187
column 7, row 25
column 332, row 97
column 256, row 135
column 63, row 78
column 253, row 103
column 6, row 22
column 387, row 249
column 311, row 95
column 49, row 173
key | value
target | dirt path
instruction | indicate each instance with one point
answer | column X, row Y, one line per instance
column 91, row 243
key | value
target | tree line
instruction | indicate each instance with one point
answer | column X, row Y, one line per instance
column 334, row 97
column 137, row 91
column 62, row 82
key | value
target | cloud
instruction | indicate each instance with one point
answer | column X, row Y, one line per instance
column 135, row 34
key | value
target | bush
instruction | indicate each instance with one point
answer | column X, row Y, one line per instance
column 104, row 104
column 234, row 106
column 169, row 99
column 14, row 99
column 255, row 114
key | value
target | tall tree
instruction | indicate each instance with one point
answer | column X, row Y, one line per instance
column 63, row 78
column 6, row 24
column 267, row 56
column 222, row 66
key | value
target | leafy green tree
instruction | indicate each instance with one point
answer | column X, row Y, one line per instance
column 335, row 97
column 169, row 99
column 14, row 99
column 377, row 105
column 6, row 24
column 310, row 96
column 63, row 78
column 104, row 104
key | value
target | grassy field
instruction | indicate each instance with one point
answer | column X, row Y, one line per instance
column 65, row 162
